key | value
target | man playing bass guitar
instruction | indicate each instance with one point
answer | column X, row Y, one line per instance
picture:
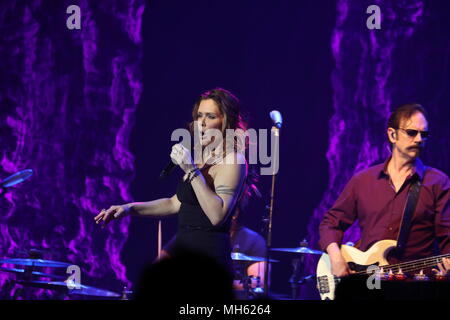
column 377, row 196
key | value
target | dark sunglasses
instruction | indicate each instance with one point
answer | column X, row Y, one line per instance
column 412, row 133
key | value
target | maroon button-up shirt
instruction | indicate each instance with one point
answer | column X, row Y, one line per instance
column 370, row 198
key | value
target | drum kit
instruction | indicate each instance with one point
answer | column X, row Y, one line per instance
column 295, row 280
column 298, row 263
column 28, row 277
column 63, row 286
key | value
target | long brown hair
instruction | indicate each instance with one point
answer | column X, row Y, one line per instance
column 249, row 189
column 230, row 108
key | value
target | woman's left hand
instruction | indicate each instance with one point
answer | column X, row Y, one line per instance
column 182, row 157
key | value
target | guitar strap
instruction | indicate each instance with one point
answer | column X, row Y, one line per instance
column 411, row 202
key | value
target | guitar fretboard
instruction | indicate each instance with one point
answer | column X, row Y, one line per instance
column 413, row 265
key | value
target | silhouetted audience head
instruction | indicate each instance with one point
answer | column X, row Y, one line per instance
column 185, row 276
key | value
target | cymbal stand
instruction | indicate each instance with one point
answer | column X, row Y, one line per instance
column 126, row 294
column 298, row 264
column 28, row 273
column 247, row 285
column 294, row 279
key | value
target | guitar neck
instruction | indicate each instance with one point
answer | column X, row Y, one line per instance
column 415, row 265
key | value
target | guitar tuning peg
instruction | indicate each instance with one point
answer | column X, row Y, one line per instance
column 390, row 275
column 382, row 275
column 420, row 276
column 400, row 275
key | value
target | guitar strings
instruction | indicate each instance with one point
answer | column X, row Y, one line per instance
column 408, row 268
column 413, row 265
column 424, row 262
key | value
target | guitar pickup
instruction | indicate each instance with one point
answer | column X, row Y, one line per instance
column 323, row 284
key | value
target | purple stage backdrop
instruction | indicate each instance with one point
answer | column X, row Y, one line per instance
column 68, row 99
column 90, row 111
column 373, row 72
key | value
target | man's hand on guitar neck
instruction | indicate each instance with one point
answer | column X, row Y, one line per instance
column 444, row 267
column 339, row 266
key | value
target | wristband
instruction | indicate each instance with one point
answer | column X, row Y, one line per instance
column 194, row 173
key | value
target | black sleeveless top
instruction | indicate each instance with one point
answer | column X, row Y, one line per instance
column 197, row 233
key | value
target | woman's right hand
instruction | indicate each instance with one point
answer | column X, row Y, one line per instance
column 114, row 212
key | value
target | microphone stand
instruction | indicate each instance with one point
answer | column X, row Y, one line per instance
column 275, row 149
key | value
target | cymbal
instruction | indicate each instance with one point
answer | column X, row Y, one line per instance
column 61, row 285
column 237, row 256
column 36, row 262
column 298, row 250
column 35, row 273
column 16, row 178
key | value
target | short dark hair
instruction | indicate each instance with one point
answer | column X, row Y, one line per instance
column 404, row 111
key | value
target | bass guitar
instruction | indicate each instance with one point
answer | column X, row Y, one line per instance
column 359, row 262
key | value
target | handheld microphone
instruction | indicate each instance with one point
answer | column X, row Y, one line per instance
column 276, row 118
column 16, row 178
column 167, row 169
column 171, row 165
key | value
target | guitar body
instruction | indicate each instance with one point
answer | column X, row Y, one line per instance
column 357, row 261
